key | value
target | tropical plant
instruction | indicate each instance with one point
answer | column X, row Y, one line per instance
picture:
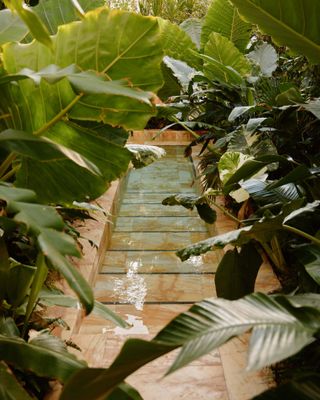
column 65, row 106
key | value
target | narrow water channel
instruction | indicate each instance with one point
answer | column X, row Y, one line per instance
column 143, row 281
column 140, row 267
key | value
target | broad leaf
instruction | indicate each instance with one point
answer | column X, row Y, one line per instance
column 310, row 211
column 58, row 12
column 237, row 272
column 10, row 388
column 292, row 23
column 222, row 17
column 176, row 43
column 223, row 51
column 181, row 71
column 202, row 329
column 41, row 360
column 266, row 57
column 192, row 26
column 12, row 27
column 137, row 66
column 213, row 322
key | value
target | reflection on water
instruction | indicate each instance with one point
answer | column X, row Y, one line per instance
column 137, row 327
column 132, row 288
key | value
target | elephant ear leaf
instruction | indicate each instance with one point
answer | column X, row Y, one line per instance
column 222, row 17
column 291, row 23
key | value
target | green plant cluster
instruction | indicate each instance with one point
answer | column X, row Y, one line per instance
column 68, row 99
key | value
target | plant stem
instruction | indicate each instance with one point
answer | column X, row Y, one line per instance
column 270, row 254
column 278, row 253
column 227, row 213
column 5, row 116
column 10, row 173
column 301, row 233
column 6, row 163
column 58, row 117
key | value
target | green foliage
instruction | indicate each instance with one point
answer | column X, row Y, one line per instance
column 286, row 326
column 292, row 23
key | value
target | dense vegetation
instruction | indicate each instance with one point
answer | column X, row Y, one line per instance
column 246, row 77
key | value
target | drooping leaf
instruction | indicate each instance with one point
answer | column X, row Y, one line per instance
column 222, row 17
column 237, row 272
column 144, row 155
column 192, row 26
column 221, row 51
column 189, row 202
column 39, row 359
column 213, row 322
column 55, row 246
column 266, row 57
column 203, row 328
column 12, row 27
column 292, row 23
column 58, row 299
column 262, row 230
column 10, row 389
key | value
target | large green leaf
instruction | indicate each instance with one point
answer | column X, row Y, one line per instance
column 10, row 389
column 42, row 360
column 221, row 51
column 128, row 49
column 207, row 325
column 293, row 23
column 176, row 43
column 12, row 27
column 273, row 320
column 222, row 17
column 192, row 26
column 237, row 272
column 58, row 12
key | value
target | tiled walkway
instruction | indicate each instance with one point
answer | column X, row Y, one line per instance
column 145, row 282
